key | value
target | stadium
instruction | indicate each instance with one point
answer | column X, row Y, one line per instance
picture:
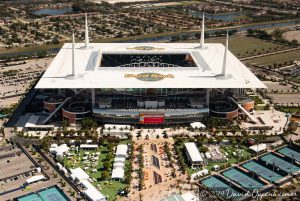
column 145, row 83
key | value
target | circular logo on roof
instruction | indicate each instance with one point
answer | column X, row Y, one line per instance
column 145, row 48
column 149, row 77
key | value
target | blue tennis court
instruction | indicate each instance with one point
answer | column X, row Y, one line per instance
column 49, row 194
column 243, row 179
column 262, row 171
column 291, row 153
column 280, row 163
column 52, row 194
column 215, row 184
column 32, row 197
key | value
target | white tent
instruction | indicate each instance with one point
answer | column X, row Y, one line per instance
column 117, row 173
column 121, row 150
column 197, row 125
column 35, row 179
column 199, row 174
column 92, row 192
column 79, row 174
column 258, row 148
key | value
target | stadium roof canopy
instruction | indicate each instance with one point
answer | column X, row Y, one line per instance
column 92, row 64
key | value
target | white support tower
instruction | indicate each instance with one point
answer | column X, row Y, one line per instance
column 202, row 33
column 73, row 75
column 86, row 31
column 73, row 54
column 225, row 56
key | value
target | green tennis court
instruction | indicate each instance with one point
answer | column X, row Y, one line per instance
column 291, row 153
column 262, row 171
column 217, row 185
column 280, row 163
column 243, row 179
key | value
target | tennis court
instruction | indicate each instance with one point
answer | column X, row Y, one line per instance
column 49, row 194
column 32, row 197
column 262, row 171
column 52, row 194
column 217, row 185
column 243, row 179
column 280, row 163
column 291, row 153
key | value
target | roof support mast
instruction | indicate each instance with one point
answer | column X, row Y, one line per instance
column 202, row 33
column 225, row 56
column 73, row 75
column 73, row 54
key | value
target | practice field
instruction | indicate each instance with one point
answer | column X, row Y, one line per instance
column 280, row 163
column 240, row 45
column 277, row 58
column 216, row 185
column 291, row 153
column 262, row 171
column 242, row 179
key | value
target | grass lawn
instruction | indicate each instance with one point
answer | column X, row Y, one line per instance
column 278, row 58
column 257, row 100
column 108, row 188
column 240, row 45
column 241, row 152
column 46, row 47
column 288, row 109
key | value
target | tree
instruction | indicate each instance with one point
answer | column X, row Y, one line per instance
column 139, row 134
column 203, row 149
column 106, row 165
column 77, row 7
column 104, row 175
column 165, row 135
column 88, row 123
column 46, row 142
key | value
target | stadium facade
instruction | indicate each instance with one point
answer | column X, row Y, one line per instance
column 146, row 83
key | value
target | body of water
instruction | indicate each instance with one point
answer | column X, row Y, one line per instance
column 53, row 11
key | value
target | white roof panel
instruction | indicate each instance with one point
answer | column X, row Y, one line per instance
column 258, row 148
column 206, row 74
column 35, row 178
column 121, row 150
column 117, row 173
column 79, row 174
column 193, row 151
column 92, row 192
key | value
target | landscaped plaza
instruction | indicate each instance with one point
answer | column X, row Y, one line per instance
column 97, row 163
column 159, row 163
